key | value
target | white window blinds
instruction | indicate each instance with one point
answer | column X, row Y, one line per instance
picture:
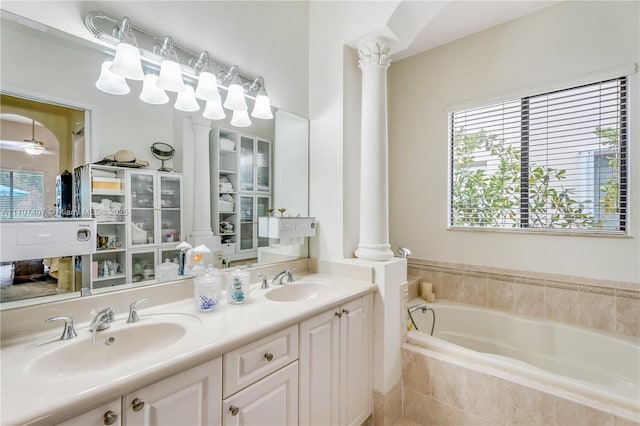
column 555, row 160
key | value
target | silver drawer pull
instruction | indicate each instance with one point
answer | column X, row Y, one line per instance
column 268, row 356
column 234, row 410
column 338, row 314
column 345, row 311
column 137, row 404
column 110, row 417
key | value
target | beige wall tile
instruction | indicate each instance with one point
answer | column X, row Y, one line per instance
column 528, row 299
column 628, row 316
column 445, row 415
column 486, row 396
column 569, row 413
column 529, row 407
column 619, row 421
column 500, row 295
column 451, row 287
column 448, row 383
column 472, row 420
column 415, row 371
column 561, row 305
column 393, row 405
column 416, row 406
column 475, row 290
column 597, row 311
column 378, row 411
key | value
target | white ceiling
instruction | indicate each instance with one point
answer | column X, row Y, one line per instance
column 457, row 19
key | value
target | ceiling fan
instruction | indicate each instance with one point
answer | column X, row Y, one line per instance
column 31, row 146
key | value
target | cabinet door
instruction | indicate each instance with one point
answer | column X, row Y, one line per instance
column 189, row 398
column 170, row 208
column 142, row 264
column 271, row 401
column 247, row 172
column 263, row 166
column 319, row 369
column 247, row 228
column 355, row 373
column 107, row 414
column 141, row 191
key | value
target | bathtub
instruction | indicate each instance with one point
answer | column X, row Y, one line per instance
column 566, row 360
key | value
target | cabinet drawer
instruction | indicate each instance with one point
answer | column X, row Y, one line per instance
column 250, row 363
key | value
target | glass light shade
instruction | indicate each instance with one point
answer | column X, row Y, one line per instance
column 34, row 149
column 127, row 62
column 262, row 107
column 240, row 118
column 186, row 100
column 151, row 93
column 207, row 88
column 213, row 110
column 235, row 97
column 111, row 83
column 170, row 77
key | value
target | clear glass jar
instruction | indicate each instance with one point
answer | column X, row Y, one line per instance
column 206, row 290
column 237, row 286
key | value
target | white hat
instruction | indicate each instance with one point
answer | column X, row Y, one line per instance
column 124, row 158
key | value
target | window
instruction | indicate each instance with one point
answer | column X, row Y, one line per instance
column 21, row 194
column 550, row 161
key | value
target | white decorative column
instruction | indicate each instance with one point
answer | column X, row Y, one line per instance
column 374, row 191
column 201, row 232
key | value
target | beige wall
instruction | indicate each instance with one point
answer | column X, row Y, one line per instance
column 558, row 43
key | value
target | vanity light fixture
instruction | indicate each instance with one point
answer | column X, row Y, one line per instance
column 127, row 61
column 213, row 110
column 151, row 93
column 240, row 118
column 235, row 92
column 111, row 83
column 159, row 53
column 170, row 77
column 262, row 106
column 207, row 88
column 186, row 100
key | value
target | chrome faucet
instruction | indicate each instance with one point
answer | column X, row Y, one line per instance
column 68, row 332
column 102, row 320
column 133, row 311
column 265, row 283
column 277, row 280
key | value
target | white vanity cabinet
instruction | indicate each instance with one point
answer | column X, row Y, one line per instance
column 107, row 414
column 335, row 373
column 188, row 398
column 261, row 381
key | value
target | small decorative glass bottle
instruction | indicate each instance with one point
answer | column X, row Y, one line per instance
column 237, row 286
column 206, row 290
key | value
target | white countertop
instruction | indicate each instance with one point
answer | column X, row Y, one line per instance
column 29, row 398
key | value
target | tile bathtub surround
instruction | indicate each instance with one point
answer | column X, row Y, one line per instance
column 601, row 304
column 387, row 409
column 439, row 392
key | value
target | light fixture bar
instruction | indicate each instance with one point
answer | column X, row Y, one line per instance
column 105, row 28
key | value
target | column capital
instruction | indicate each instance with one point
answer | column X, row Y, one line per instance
column 374, row 52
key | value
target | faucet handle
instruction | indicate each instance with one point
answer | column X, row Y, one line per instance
column 68, row 332
column 263, row 277
column 290, row 277
column 133, row 313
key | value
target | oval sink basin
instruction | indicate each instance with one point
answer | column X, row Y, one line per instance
column 296, row 292
column 127, row 342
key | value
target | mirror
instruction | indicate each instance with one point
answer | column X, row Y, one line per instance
column 44, row 64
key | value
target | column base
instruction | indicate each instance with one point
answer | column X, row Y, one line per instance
column 374, row 252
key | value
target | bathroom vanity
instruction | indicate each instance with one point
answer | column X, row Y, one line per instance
column 293, row 354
